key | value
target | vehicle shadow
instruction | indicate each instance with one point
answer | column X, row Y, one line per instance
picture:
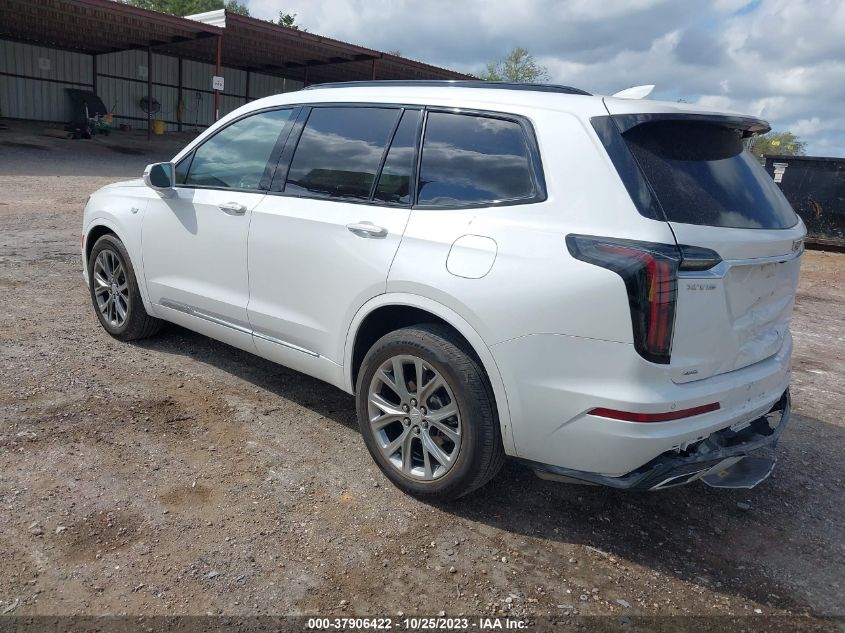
column 313, row 394
column 715, row 539
column 733, row 542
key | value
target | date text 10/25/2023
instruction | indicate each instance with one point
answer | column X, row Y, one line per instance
column 416, row 624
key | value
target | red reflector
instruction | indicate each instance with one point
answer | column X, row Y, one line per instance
column 628, row 416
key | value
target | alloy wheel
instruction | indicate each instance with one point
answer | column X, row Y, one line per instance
column 414, row 418
column 111, row 288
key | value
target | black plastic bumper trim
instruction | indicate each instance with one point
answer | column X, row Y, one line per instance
column 720, row 445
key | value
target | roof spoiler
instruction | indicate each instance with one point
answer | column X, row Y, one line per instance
column 748, row 125
column 635, row 92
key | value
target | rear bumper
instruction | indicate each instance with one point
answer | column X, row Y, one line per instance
column 554, row 381
column 726, row 459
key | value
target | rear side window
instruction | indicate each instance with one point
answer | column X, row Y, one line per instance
column 701, row 174
column 470, row 159
column 237, row 156
column 394, row 183
column 340, row 151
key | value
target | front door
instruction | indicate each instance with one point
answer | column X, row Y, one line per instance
column 194, row 243
column 194, row 247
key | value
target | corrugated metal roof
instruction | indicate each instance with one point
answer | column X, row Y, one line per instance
column 102, row 26
column 214, row 18
column 95, row 26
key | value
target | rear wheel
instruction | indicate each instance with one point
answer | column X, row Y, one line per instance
column 427, row 414
column 114, row 292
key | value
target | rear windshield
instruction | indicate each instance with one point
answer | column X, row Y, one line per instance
column 701, row 174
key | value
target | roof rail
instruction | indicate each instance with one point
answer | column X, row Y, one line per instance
column 452, row 83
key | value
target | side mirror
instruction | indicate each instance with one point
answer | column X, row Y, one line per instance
column 160, row 176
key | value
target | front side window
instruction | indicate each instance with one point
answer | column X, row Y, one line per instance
column 182, row 169
column 340, row 151
column 237, row 156
column 473, row 159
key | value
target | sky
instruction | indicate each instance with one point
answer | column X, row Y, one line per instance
column 783, row 60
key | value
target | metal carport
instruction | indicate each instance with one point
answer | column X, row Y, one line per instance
column 93, row 34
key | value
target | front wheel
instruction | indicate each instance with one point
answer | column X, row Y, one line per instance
column 114, row 292
column 427, row 414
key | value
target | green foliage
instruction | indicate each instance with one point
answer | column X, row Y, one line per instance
column 233, row 6
column 784, row 143
column 289, row 20
column 518, row 66
column 189, row 7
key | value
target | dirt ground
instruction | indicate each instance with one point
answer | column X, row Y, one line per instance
column 181, row 476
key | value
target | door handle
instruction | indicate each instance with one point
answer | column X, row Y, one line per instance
column 232, row 208
column 367, row 229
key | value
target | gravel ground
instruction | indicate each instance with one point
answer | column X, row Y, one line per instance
column 182, row 476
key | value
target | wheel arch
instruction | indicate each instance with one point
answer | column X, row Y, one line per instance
column 103, row 225
column 392, row 311
column 94, row 233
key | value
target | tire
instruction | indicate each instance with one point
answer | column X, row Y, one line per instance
column 125, row 318
column 415, row 465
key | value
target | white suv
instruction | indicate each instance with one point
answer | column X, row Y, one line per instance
column 599, row 287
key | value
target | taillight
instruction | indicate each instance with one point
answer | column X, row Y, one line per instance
column 650, row 275
column 697, row 259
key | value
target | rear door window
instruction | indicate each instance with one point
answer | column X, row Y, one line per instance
column 470, row 159
column 702, row 174
column 237, row 156
column 340, row 151
column 394, row 183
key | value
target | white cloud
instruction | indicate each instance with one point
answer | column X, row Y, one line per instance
column 729, row 6
column 715, row 102
column 805, row 127
column 781, row 59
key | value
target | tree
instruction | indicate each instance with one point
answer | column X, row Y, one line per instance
column 518, row 66
column 188, row 7
column 233, row 6
column 289, row 20
column 785, row 143
column 395, row 52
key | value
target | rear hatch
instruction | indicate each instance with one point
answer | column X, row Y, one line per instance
column 715, row 195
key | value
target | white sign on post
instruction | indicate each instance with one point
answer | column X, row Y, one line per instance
column 216, row 83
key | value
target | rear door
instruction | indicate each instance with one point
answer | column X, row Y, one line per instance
column 321, row 243
column 716, row 195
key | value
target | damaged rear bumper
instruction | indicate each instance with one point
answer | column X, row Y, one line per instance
column 736, row 457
